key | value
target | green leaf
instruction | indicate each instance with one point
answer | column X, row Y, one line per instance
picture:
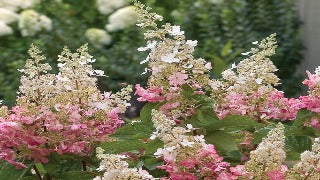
column 152, row 163
column 187, row 91
column 136, row 130
column 219, row 65
column 9, row 172
column 41, row 169
column 222, row 140
column 298, row 143
column 152, row 146
column 233, row 156
column 303, row 116
column 122, row 146
column 227, row 49
column 237, row 122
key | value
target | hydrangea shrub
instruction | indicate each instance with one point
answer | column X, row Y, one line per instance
column 192, row 127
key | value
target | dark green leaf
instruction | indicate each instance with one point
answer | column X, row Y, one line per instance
column 9, row 172
column 222, row 140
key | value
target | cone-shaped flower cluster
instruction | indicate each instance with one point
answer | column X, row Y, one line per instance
column 266, row 161
column 309, row 165
column 248, row 88
column 63, row 113
column 114, row 167
column 172, row 66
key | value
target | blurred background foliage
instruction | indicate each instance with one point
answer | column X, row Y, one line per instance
column 224, row 29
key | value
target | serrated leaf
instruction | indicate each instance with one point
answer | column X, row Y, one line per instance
column 152, row 163
column 237, row 122
column 222, row 140
column 137, row 130
column 9, row 172
column 302, row 116
column 298, row 143
column 152, row 146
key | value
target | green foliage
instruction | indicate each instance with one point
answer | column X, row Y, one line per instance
column 9, row 172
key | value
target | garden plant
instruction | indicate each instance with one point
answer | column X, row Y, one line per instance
column 193, row 126
column 223, row 28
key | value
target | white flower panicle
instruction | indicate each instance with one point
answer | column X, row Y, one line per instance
column 76, row 72
column 114, row 167
column 170, row 53
column 309, row 165
column 37, row 84
column 76, row 82
column 108, row 6
column 98, row 36
column 269, row 154
column 8, row 16
column 5, row 29
column 122, row 18
column 175, row 139
column 172, row 64
column 31, row 22
column 256, row 71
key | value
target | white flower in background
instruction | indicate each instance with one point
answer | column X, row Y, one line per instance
column 15, row 5
column 8, row 16
column 122, row 18
column 31, row 22
column 5, row 29
column 215, row 1
column 108, row 6
column 98, row 36
column 24, row 4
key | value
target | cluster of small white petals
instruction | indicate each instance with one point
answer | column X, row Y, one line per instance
column 76, row 66
column 36, row 83
column 115, row 168
column 308, row 167
column 175, row 139
column 31, row 22
column 98, row 36
column 170, row 53
column 269, row 154
column 75, row 82
column 122, row 18
column 121, row 98
column 256, row 71
column 108, row 6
